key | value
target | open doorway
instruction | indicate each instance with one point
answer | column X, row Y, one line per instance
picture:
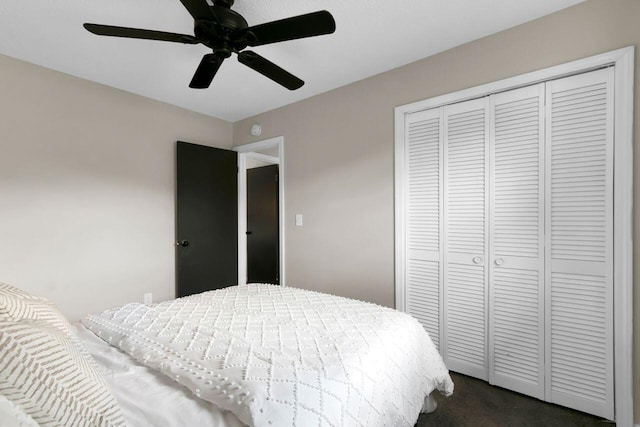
column 257, row 164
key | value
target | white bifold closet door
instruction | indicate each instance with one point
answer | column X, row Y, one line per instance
column 509, row 237
column 465, row 240
column 423, row 134
column 516, row 241
column 579, row 241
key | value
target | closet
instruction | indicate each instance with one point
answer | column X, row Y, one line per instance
column 507, row 237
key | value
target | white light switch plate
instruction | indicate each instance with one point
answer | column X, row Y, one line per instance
column 298, row 220
column 148, row 298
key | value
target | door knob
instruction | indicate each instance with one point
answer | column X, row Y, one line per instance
column 499, row 261
column 249, row 232
column 183, row 243
column 477, row 260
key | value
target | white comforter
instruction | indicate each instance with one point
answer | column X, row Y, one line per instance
column 285, row 357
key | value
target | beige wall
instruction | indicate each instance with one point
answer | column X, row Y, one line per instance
column 339, row 146
column 87, row 188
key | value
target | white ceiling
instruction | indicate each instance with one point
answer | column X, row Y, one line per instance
column 372, row 36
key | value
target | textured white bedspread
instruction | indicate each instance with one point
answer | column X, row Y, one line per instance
column 282, row 356
column 148, row 398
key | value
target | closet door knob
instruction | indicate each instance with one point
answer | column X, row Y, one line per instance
column 499, row 261
column 477, row 260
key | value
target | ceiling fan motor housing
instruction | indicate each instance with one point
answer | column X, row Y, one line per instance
column 222, row 35
column 229, row 19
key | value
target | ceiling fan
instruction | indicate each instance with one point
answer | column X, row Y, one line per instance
column 226, row 32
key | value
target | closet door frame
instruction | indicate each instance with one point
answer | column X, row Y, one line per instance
column 623, row 60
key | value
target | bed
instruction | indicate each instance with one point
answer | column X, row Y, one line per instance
column 260, row 355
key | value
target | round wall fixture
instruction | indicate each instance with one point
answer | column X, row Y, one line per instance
column 256, row 129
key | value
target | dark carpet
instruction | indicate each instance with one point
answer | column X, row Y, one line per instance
column 478, row 404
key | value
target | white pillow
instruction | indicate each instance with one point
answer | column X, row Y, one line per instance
column 43, row 372
column 16, row 304
column 13, row 416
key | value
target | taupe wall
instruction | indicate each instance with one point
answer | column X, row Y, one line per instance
column 339, row 146
column 87, row 188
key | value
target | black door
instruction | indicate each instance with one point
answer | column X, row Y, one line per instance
column 207, row 219
column 263, row 230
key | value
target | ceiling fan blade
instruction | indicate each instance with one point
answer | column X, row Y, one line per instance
column 270, row 70
column 206, row 71
column 136, row 33
column 297, row 27
column 199, row 9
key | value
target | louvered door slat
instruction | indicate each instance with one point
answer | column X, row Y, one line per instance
column 423, row 159
column 579, row 237
column 516, row 321
column 465, row 241
column 423, row 295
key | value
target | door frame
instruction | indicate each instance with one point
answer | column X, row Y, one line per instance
column 249, row 151
column 623, row 60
